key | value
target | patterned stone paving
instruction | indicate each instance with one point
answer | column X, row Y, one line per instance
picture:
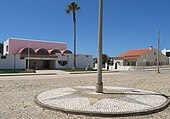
column 114, row 100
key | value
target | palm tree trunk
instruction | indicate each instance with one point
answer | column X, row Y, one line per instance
column 74, row 20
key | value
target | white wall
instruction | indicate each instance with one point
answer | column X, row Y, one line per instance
column 120, row 62
column 84, row 60
column 6, row 42
column 81, row 62
column 8, row 63
column 64, row 57
column 164, row 51
column 120, row 67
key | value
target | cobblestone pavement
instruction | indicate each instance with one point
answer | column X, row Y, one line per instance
column 115, row 101
column 17, row 93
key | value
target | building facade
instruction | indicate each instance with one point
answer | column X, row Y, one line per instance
column 40, row 55
column 139, row 57
column 1, row 48
column 167, row 53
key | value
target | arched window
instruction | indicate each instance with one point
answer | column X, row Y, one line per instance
column 25, row 51
column 41, row 51
column 66, row 52
column 62, row 63
column 53, row 51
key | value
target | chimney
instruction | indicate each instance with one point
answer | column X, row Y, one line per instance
column 151, row 47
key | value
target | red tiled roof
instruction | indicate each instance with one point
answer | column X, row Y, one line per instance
column 133, row 53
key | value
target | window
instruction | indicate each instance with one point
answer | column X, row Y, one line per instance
column 154, row 53
column 62, row 63
column 22, row 58
column 3, row 57
column 133, row 63
column 168, row 54
column 147, row 63
column 7, row 48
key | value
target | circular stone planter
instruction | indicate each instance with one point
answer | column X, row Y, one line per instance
column 115, row 101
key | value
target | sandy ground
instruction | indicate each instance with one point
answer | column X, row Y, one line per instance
column 17, row 93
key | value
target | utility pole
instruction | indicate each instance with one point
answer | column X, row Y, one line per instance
column 158, row 52
column 14, row 62
column 99, row 83
column 28, row 62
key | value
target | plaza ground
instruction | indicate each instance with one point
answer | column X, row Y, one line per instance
column 17, row 92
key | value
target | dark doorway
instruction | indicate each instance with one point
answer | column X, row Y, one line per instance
column 46, row 64
column 116, row 65
column 42, row 64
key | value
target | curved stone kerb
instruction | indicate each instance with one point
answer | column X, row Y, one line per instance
column 126, row 103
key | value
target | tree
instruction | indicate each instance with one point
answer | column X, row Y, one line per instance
column 73, row 7
column 105, row 58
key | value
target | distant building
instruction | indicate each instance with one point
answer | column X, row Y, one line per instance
column 1, row 48
column 26, row 53
column 167, row 53
column 140, row 57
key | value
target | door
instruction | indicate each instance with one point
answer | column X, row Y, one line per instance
column 46, row 64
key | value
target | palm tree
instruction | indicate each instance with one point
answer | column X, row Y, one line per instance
column 73, row 7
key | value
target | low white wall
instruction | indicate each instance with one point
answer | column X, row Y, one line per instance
column 112, row 68
column 11, row 63
column 125, row 67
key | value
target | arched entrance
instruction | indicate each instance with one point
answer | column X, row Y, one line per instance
column 116, row 65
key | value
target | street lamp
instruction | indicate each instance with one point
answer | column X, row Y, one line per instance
column 99, row 83
column 14, row 62
column 28, row 62
column 67, row 61
column 158, row 52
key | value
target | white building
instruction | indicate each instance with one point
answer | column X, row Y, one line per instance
column 25, row 53
column 138, row 57
column 12, row 62
column 167, row 53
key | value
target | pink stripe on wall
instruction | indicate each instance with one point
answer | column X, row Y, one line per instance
column 15, row 45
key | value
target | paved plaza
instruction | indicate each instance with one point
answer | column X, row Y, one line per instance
column 115, row 101
column 17, row 93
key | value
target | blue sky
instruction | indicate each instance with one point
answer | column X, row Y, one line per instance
column 127, row 24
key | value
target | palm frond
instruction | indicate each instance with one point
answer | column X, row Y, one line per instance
column 67, row 11
column 73, row 4
column 72, row 7
column 78, row 8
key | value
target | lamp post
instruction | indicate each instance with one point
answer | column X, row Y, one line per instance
column 99, row 83
column 67, row 61
column 158, row 52
column 14, row 62
column 28, row 62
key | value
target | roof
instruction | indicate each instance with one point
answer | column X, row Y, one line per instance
column 133, row 53
column 35, row 40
